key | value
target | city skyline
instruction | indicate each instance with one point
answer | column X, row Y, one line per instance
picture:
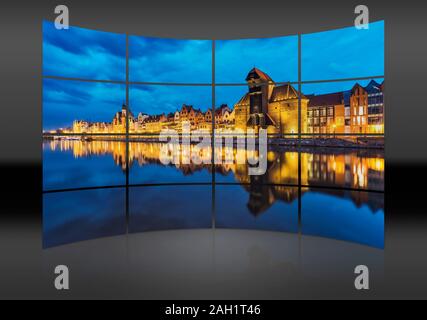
column 89, row 54
column 155, row 108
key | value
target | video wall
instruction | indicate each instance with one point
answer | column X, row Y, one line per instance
column 108, row 98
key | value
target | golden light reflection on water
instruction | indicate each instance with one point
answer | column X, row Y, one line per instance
column 357, row 169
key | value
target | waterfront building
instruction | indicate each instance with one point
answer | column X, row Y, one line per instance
column 266, row 105
column 269, row 106
column 367, row 108
column 326, row 113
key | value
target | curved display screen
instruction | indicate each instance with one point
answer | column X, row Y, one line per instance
column 282, row 134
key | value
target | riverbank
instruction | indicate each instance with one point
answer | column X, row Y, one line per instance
column 347, row 142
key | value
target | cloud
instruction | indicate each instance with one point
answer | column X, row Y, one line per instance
column 83, row 53
column 278, row 57
column 343, row 53
column 65, row 101
column 157, row 99
column 170, row 60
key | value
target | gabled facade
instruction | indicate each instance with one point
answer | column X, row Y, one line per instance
column 367, row 108
column 269, row 106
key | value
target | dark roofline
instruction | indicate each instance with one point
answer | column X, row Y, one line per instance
column 327, row 99
column 259, row 73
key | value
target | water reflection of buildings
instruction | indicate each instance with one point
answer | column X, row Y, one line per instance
column 81, row 149
column 353, row 170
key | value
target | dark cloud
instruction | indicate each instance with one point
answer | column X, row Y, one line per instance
column 65, row 101
column 81, row 41
column 83, row 53
column 170, row 60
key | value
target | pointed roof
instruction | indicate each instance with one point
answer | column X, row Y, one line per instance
column 222, row 109
column 244, row 101
column 373, row 87
column 268, row 120
column 256, row 73
column 357, row 85
column 284, row 92
column 187, row 108
column 258, row 203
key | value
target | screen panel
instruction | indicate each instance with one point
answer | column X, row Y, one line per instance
column 170, row 60
column 83, row 53
column 82, row 107
column 343, row 53
column 276, row 58
column 179, row 114
column 79, row 145
column 344, row 113
column 343, row 168
column 82, row 215
column 350, row 216
column 257, row 206
column 170, row 207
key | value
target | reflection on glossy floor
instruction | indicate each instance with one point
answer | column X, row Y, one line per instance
column 215, row 264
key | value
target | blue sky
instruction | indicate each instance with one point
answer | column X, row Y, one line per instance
column 89, row 54
column 335, row 54
column 157, row 99
column 343, row 53
column 330, row 87
column 278, row 57
column 229, row 94
column 65, row 101
column 83, row 53
column 170, row 60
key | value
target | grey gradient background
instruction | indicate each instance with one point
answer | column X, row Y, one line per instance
column 108, row 268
